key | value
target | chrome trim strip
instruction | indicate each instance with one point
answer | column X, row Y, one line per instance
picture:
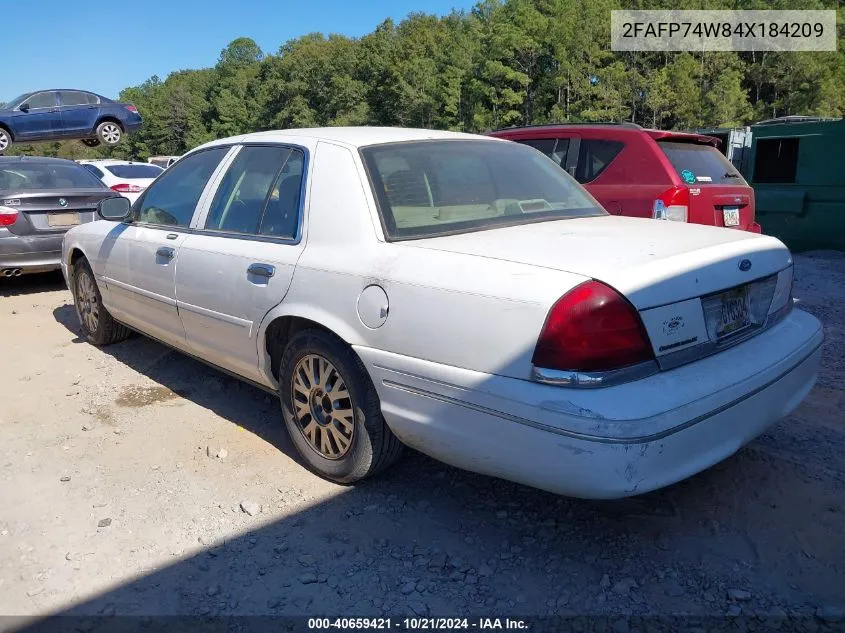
column 594, row 438
column 594, row 379
column 219, row 316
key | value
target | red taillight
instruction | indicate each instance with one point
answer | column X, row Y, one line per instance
column 8, row 216
column 672, row 205
column 131, row 108
column 127, row 188
column 592, row 328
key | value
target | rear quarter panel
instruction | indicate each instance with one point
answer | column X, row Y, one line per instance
column 461, row 310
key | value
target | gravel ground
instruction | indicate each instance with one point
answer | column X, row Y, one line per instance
column 137, row 481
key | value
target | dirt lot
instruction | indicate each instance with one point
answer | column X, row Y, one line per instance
column 137, row 481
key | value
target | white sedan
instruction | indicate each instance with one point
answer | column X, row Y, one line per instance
column 457, row 294
column 128, row 178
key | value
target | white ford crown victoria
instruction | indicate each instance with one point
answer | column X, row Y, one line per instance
column 458, row 294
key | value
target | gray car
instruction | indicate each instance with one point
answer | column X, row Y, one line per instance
column 40, row 199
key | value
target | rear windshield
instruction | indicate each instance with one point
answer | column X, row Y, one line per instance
column 430, row 188
column 700, row 164
column 30, row 176
column 134, row 171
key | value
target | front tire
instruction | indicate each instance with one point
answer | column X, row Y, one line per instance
column 97, row 324
column 109, row 133
column 5, row 140
column 332, row 411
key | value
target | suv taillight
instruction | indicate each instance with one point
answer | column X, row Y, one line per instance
column 672, row 205
column 592, row 328
column 8, row 216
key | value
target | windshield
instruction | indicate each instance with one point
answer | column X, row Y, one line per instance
column 429, row 188
column 700, row 164
column 13, row 103
column 32, row 176
column 134, row 171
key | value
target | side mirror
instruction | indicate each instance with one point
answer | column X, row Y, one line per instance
column 114, row 209
column 24, row 107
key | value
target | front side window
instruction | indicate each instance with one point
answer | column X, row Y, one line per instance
column 42, row 100
column 259, row 193
column 428, row 188
column 73, row 97
column 172, row 199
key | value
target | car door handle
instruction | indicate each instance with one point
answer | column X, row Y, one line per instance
column 172, row 236
column 166, row 252
column 261, row 270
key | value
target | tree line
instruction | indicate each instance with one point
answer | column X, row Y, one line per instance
column 502, row 63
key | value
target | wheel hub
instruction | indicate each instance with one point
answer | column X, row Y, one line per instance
column 322, row 406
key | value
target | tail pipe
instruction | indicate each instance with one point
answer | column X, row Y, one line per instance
column 12, row 272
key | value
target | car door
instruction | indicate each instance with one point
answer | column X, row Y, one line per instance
column 614, row 193
column 142, row 255
column 239, row 262
column 38, row 117
column 78, row 111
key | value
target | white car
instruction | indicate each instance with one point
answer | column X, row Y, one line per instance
column 128, row 178
column 458, row 294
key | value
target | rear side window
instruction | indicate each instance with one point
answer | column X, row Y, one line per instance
column 172, row 199
column 259, row 193
column 73, row 97
column 554, row 148
column 594, row 157
column 134, row 171
column 27, row 177
column 94, row 170
column 700, row 164
column 776, row 160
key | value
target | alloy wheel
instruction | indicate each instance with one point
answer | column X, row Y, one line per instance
column 110, row 133
column 322, row 406
column 86, row 302
column 4, row 140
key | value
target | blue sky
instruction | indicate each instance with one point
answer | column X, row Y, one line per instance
column 106, row 46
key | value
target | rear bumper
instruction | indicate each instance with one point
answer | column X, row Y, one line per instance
column 30, row 253
column 604, row 443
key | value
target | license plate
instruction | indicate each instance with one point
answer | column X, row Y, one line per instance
column 731, row 215
column 734, row 315
column 62, row 219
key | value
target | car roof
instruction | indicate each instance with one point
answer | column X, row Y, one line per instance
column 105, row 162
column 351, row 136
column 612, row 129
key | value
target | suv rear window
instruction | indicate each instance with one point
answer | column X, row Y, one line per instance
column 700, row 164
column 134, row 171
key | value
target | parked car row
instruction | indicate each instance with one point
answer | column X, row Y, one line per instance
column 56, row 115
column 464, row 296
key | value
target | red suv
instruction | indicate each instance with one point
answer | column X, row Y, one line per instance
column 648, row 173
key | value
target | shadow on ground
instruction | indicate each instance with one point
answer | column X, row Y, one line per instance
column 32, row 284
column 425, row 538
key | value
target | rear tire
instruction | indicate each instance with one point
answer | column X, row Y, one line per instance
column 97, row 324
column 109, row 133
column 346, row 439
column 90, row 142
column 5, row 140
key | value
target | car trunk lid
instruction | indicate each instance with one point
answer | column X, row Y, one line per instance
column 651, row 262
column 48, row 212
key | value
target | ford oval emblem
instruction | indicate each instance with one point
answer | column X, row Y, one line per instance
column 745, row 265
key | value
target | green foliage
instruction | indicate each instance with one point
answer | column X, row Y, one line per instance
column 505, row 62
